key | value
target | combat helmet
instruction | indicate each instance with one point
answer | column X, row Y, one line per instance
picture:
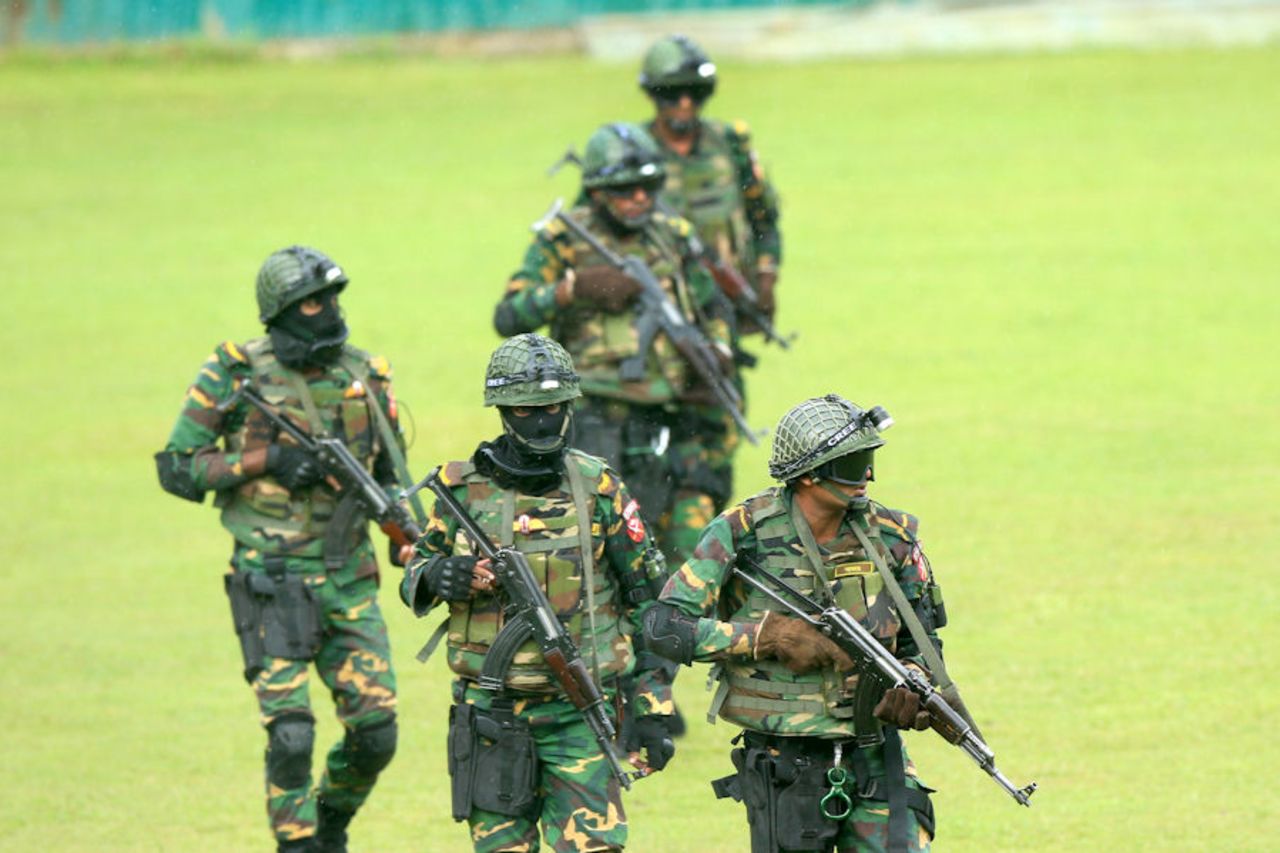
column 293, row 274
column 619, row 155
column 821, row 429
column 677, row 61
column 530, row 370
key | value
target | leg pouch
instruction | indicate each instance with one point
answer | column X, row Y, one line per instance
column 246, row 616
column 290, row 616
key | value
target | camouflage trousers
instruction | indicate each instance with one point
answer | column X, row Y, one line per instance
column 782, row 800
column 676, row 461
column 354, row 662
column 579, row 803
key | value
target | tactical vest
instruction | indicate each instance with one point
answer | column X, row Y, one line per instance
column 260, row 512
column 764, row 694
column 545, row 528
column 703, row 188
column 600, row 341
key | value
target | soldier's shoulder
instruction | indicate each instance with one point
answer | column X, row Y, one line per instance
column 456, row 473
column 377, row 365
column 230, row 360
column 674, row 223
column 555, row 230
column 594, row 470
column 736, row 132
column 896, row 523
column 747, row 515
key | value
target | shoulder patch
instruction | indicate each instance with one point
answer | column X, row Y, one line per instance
column 678, row 224
column 741, row 129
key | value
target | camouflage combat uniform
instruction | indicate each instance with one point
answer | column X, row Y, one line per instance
column 763, row 696
column 722, row 189
column 276, row 532
column 577, row 800
column 625, row 422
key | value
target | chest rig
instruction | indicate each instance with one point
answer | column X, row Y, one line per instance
column 766, row 696
column 548, row 529
column 601, row 343
column 263, row 514
column 703, row 187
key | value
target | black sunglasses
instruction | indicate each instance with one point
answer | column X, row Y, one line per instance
column 697, row 92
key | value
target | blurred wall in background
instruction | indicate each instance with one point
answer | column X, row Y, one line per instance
column 621, row 29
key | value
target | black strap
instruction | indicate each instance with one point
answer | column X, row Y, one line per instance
column 895, row 781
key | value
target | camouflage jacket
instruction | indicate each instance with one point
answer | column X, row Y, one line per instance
column 722, row 189
column 545, row 528
column 600, row 341
column 208, row 443
column 764, row 695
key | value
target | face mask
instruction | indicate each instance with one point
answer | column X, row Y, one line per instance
column 540, row 432
column 300, row 340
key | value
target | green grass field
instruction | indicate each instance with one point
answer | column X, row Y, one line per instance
column 1058, row 273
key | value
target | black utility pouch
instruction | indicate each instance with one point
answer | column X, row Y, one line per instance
column 461, row 750
column 506, row 765
column 799, row 822
column 290, row 616
column 246, row 616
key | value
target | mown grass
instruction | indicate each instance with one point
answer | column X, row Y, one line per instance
column 1057, row 272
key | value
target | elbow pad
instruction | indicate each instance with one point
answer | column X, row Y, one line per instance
column 174, row 470
column 670, row 633
column 505, row 321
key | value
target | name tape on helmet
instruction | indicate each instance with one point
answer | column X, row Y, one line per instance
column 845, row 431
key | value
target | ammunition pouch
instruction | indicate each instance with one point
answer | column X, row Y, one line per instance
column 492, row 763
column 274, row 616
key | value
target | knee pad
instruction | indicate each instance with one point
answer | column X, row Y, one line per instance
column 370, row 748
column 289, row 744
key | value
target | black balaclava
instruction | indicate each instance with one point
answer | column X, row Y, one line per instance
column 529, row 456
column 300, row 341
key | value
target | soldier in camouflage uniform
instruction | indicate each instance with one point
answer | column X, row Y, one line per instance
column 714, row 177
column 715, row 180
column 522, row 755
column 792, row 690
column 660, row 432
column 303, row 589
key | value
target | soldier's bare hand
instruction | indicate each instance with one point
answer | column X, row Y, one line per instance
column 482, row 577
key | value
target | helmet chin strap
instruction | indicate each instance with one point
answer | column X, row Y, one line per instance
column 858, row 502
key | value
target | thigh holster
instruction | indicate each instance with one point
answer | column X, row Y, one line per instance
column 781, row 781
column 492, row 762
column 275, row 615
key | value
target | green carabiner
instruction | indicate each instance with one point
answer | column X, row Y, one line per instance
column 837, row 778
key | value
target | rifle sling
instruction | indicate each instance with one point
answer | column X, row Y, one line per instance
column 937, row 669
column 586, row 547
column 387, row 434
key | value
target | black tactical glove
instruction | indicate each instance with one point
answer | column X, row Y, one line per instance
column 901, row 707
column 450, row 578
column 650, row 737
column 293, row 467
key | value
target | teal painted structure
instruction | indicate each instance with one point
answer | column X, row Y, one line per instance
column 71, row 22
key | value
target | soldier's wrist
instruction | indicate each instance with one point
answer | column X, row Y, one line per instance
column 254, row 462
column 564, row 289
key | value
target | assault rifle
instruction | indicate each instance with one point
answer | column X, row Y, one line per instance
column 732, row 283
column 659, row 314
column 355, row 485
column 849, row 634
column 529, row 615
